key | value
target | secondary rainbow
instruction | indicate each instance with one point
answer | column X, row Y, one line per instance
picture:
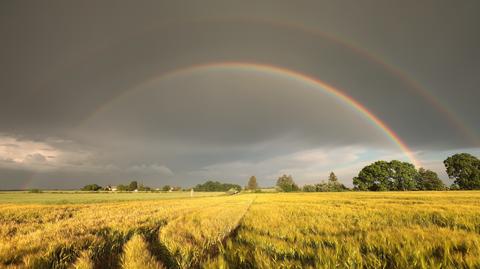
column 290, row 74
column 456, row 122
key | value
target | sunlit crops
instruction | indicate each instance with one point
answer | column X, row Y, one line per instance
column 319, row 230
column 67, row 197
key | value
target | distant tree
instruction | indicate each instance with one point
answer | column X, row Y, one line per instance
column 330, row 187
column 122, row 188
column 286, row 184
column 383, row 176
column 309, row 188
column 464, row 168
column 216, row 186
column 322, row 187
column 454, row 187
column 428, row 180
column 91, row 187
column 35, row 191
column 141, row 187
column 333, row 184
column 133, row 186
column 166, row 188
column 332, row 178
column 252, row 183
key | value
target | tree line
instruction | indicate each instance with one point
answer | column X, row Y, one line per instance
column 132, row 186
column 395, row 175
column 285, row 183
column 463, row 168
column 216, row 186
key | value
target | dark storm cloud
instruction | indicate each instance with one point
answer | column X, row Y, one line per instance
column 87, row 85
column 229, row 107
column 61, row 61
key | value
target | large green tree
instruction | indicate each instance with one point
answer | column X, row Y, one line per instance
column 286, row 184
column 464, row 168
column 402, row 176
column 252, row 183
column 373, row 177
column 386, row 176
column 428, row 180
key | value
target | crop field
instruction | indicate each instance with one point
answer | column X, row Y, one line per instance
column 76, row 197
column 257, row 230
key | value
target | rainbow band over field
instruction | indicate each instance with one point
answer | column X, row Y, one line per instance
column 454, row 120
column 290, row 74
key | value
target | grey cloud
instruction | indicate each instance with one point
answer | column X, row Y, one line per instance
column 150, row 169
column 36, row 157
column 230, row 108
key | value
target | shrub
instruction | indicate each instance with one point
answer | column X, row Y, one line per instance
column 216, row 186
column 35, row 191
column 309, row 188
column 122, row 188
column 166, row 188
column 141, row 187
column 91, row 187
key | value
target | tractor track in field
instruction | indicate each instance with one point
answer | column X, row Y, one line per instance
column 214, row 250
column 154, row 244
column 151, row 235
column 159, row 250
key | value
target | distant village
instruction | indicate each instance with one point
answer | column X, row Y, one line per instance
column 135, row 187
column 132, row 186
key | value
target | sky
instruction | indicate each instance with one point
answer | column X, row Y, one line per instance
column 179, row 92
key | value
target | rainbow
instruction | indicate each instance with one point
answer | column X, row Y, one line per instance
column 411, row 84
column 290, row 74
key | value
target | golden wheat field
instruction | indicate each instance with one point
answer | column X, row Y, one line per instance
column 274, row 230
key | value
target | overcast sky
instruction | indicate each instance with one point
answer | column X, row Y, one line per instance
column 112, row 91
